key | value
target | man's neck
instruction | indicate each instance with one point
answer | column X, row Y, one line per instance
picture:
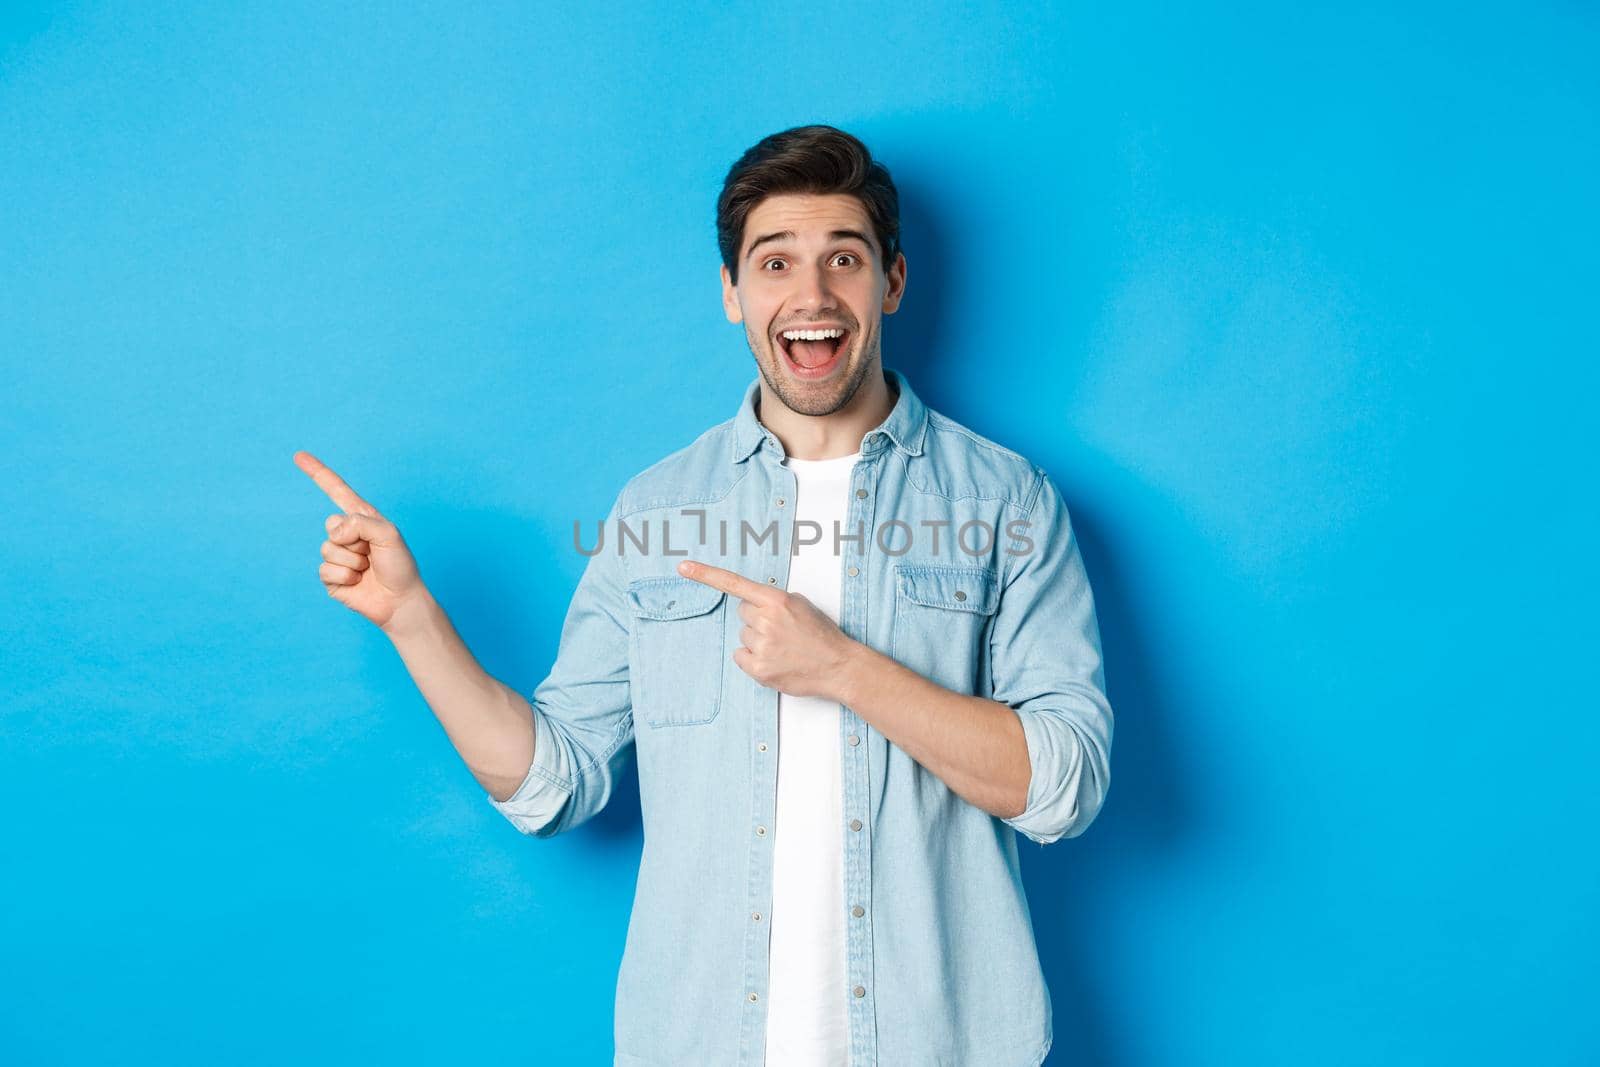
column 828, row 436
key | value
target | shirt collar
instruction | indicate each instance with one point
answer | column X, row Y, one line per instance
column 905, row 426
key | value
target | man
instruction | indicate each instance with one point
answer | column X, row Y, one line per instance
column 852, row 645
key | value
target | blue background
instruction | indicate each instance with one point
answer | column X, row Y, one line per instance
column 1296, row 302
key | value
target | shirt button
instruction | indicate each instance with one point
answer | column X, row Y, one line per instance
column 780, row 501
column 861, row 494
column 855, row 824
column 772, row 581
column 761, row 831
column 859, row 991
column 858, row 911
column 854, row 571
column 960, row 595
column 854, row 739
column 754, row 998
column 756, row 915
column 762, row 746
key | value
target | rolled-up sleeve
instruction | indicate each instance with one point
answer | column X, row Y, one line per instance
column 583, row 710
column 1046, row 666
column 539, row 798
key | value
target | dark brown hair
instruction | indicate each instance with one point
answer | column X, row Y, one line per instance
column 807, row 159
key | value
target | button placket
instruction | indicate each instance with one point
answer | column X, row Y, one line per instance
column 778, row 490
column 858, row 850
column 855, row 756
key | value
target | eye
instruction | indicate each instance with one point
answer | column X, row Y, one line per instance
column 846, row 255
column 770, row 262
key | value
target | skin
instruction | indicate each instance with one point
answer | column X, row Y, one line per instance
column 811, row 278
column 366, row 564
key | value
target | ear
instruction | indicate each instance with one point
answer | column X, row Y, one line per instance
column 897, row 284
column 730, row 298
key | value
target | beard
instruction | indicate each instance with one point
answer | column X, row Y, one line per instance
column 814, row 398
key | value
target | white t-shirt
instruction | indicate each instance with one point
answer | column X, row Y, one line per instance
column 807, row 1025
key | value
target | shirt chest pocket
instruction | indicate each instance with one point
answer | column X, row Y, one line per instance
column 679, row 633
column 941, row 622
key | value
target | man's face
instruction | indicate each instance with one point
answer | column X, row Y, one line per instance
column 812, row 263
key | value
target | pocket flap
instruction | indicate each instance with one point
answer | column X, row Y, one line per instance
column 670, row 597
column 957, row 588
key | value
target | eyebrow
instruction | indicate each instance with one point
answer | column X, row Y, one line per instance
column 788, row 235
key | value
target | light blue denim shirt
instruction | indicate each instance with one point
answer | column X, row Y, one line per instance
column 964, row 568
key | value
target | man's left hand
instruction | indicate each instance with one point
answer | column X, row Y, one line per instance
column 788, row 643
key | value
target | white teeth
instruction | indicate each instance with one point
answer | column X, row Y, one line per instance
column 811, row 335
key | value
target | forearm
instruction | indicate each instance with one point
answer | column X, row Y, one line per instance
column 974, row 745
column 490, row 724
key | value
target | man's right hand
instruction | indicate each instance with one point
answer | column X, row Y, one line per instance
column 366, row 564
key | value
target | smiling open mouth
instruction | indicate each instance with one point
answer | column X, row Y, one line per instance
column 812, row 353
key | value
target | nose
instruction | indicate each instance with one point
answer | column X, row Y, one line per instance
column 813, row 295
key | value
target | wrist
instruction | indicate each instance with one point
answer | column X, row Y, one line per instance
column 413, row 616
column 854, row 664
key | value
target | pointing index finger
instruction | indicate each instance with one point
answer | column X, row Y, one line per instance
column 336, row 488
column 727, row 581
